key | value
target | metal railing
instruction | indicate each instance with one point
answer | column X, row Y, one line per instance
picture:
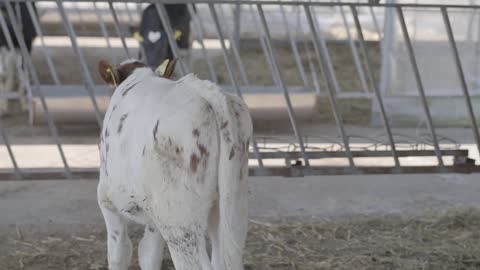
column 306, row 39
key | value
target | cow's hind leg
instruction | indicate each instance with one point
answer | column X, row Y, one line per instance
column 118, row 243
column 151, row 248
column 213, row 227
column 187, row 248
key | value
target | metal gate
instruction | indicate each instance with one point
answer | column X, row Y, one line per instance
column 59, row 89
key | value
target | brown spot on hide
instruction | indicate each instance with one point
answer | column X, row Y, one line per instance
column 202, row 149
column 177, row 150
column 120, row 125
column 151, row 229
column 155, row 130
column 194, row 160
column 224, row 124
column 232, row 153
column 196, row 132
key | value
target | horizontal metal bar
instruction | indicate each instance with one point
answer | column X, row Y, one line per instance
column 294, row 171
column 361, row 154
column 276, row 2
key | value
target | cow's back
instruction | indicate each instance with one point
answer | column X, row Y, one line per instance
column 159, row 145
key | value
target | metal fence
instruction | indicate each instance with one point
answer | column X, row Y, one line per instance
column 276, row 27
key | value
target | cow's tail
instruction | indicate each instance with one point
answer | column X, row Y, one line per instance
column 235, row 133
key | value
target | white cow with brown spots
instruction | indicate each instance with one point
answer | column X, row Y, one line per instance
column 174, row 158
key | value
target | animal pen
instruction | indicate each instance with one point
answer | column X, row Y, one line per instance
column 394, row 65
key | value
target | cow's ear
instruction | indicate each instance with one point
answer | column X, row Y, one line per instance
column 108, row 73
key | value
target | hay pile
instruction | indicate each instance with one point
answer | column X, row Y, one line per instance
column 437, row 241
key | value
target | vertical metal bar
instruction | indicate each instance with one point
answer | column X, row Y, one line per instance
column 6, row 141
column 353, row 48
column 129, row 14
column 418, row 80
column 162, row 13
column 386, row 48
column 200, row 36
column 293, row 44
column 236, row 52
column 326, row 55
column 89, row 85
column 375, row 22
column 461, row 75
column 261, row 39
column 117, row 28
column 371, row 77
column 276, row 74
column 230, row 73
column 311, row 65
column 45, row 51
column 237, row 23
column 28, row 59
column 104, row 31
column 330, row 86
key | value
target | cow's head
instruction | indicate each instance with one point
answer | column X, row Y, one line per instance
column 153, row 36
column 114, row 76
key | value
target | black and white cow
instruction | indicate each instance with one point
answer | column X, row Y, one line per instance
column 154, row 37
column 10, row 58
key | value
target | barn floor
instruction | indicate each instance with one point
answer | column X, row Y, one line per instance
column 331, row 222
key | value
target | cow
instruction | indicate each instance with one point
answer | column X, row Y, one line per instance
column 174, row 158
column 153, row 37
column 11, row 58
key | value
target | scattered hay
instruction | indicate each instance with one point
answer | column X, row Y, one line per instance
column 437, row 241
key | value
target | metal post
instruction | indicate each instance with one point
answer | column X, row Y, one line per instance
column 27, row 58
column 386, row 48
column 353, row 48
column 311, row 65
column 200, row 36
column 326, row 55
column 418, row 80
column 45, row 51
column 230, row 73
column 89, row 85
column 371, row 76
column 104, row 31
column 330, row 86
column 461, row 75
column 375, row 22
column 261, row 39
column 5, row 139
column 236, row 52
column 117, row 28
column 162, row 13
column 278, row 77
column 293, row 44
column 237, row 23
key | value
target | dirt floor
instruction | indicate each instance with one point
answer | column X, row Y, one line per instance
column 435, row 241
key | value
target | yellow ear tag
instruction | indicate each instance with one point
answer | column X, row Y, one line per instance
column 109, row 70
column 161, row 68
column 177, row 35
column 138, row 37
